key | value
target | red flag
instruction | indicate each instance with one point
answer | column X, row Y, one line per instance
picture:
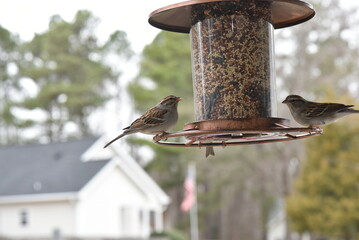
column 190, row 190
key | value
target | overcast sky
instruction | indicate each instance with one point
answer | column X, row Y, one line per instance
column 27, row 17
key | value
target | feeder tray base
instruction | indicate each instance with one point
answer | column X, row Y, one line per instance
column 235, row 132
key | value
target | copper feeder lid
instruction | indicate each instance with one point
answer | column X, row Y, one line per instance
column 177, row 17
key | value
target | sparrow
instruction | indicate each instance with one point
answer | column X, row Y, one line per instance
column 314, row 114
column 156, row 120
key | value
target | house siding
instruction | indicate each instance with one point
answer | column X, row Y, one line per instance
column 113, row 207
column 83, row 193
column 42, row 219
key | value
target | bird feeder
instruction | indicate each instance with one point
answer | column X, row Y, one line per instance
column 232, row 52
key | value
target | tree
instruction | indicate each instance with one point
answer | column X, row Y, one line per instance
column 9, row 86
column 68, row 66
column 325, row 200
column 165, row 69
column 320, row 50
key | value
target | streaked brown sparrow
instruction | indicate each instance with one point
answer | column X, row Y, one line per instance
column 156, row 120
column 315, row 114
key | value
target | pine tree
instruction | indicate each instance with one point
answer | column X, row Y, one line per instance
column 67, row 64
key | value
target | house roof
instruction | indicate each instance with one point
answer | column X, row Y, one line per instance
column 46, row 168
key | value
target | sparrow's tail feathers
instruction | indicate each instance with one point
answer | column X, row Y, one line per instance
column 118, row 137
column 209, row 151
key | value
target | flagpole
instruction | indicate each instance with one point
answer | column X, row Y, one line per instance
column 194, row 209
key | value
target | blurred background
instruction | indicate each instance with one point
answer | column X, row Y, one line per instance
column 69, row 70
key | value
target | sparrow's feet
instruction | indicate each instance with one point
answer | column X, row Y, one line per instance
column 158, row 137
column 317, row 129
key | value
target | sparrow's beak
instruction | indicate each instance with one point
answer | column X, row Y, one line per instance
column 285, row 101
column 179, row 99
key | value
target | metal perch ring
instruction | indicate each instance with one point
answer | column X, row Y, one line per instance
column 211, row 133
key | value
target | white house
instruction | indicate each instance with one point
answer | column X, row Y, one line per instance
column 77, row 189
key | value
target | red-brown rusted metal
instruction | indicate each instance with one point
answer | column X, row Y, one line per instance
column 255, row 131
column 177, row 17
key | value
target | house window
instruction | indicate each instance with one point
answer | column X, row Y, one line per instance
column 24, row 218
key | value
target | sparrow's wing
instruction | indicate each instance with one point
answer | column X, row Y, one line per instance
column 152, row 117
column 318, row 109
